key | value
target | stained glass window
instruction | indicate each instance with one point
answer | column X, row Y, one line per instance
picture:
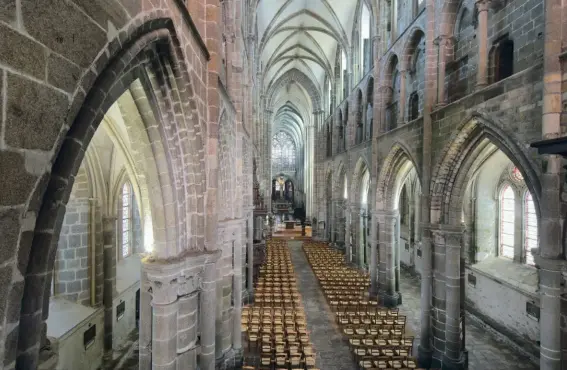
column 126, row 220
column 283, row 152
column 507, row 218
column 530, row 231
column 517, row 174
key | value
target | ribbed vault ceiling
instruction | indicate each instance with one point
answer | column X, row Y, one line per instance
column 302, row 34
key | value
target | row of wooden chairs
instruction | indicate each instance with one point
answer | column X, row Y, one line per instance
column 375, row 334
column 275, row 325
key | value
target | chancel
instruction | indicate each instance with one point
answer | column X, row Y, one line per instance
column 270, row 184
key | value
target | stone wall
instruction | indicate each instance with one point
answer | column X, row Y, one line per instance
column 71, row 275
column 508, row 113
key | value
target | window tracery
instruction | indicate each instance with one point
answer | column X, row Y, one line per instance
column 283, row 152
column 126, row 215
column 507, row 221
column 530, row 228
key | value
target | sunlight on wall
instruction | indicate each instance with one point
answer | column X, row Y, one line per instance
column 148, row 235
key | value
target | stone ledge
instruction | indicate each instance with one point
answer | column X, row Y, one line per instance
column 516, row 276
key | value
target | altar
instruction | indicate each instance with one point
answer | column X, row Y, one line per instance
column 289, row 225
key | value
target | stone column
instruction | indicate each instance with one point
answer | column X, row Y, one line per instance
column 164, row 319
column 439, row 294
column 109, row 272
column 424, row 348
column 431, row 68
column 175, row 288
column 373, row 254
column 163, row 338
column 250, row 262
column 187, row 320
column 550, row 256
column 387, row 274
column 453, row 357
column 237, row 296
column 348, row 245
column 383, row 95
column 445, row 52
column 145, row 331
column 377, row 109
column 207, row 307
column 482, row 38
column 402, row 101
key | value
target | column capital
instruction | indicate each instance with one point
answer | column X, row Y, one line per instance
column 482, row 5
column 549, row 264
column 168, row 281
column 445, row 40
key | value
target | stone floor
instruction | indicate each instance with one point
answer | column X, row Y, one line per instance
column 332, row 351
column 129, row 354
column 485, row 350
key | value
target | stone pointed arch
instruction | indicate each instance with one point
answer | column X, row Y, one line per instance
column 450, row 173
column 390, row 61
column 299, row 77
column 177, row 222
column 356, row 178
column 412, row 42
column 340, row 173
column 449, row 16
column 395, row 166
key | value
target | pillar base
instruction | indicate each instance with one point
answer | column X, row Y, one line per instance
column 424, row 357
column 232, row 359
column 48, row 360
column 452, row 364
column 390, row 300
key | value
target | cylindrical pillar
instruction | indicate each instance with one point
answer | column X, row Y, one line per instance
column 402, row 97
column 208, row 304
column 453, row 351
column 551, row 231
column 145, row 330
column 373, row 255
column 424, row 349
column 387, row 274
column 442, row 57
column 187, row 331
column 250, row 262
column 237, row 297
column 109, row 272
column 482, row 38
column 164, row 335
column 348, row 244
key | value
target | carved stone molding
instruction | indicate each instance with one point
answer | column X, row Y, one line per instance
column 168, row 280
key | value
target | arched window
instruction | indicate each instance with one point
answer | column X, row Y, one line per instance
column 404, row 206
column 365, row 187
column 392, row 107
column 345, row 192
column 365, row 46
column 502, row 59
column 283, row 152
column 507, row 218
column 330, row 96
column 413, row 106
column 126, row 215
column 344, row 75
column 530, row 228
